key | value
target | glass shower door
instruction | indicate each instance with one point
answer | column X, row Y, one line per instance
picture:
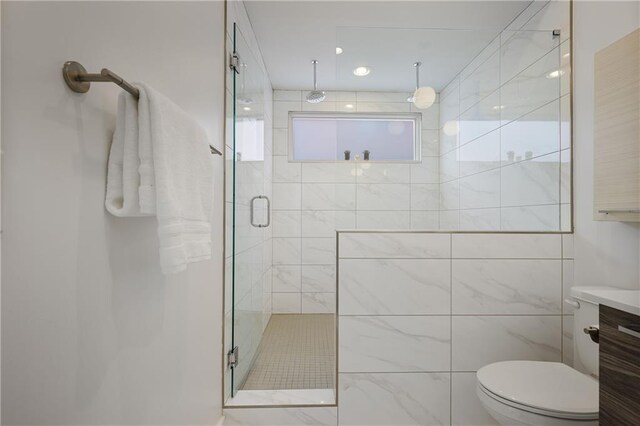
column 249, row 212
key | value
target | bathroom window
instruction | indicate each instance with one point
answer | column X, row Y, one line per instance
column 350, row 137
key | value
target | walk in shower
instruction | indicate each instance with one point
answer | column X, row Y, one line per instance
column 490, row 152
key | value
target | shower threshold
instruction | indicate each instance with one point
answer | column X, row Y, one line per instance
column 305, row 397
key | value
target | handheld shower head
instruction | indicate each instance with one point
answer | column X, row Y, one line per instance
column 315, row 96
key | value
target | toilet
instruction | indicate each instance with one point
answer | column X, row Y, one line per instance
column 547, row 393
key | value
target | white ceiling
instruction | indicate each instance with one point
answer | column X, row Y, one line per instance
column 387, row 36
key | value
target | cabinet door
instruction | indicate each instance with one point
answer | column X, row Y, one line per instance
column 617, row 131
column 619, row 368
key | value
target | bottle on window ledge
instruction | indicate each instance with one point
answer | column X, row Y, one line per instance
column 347, row 155
column 366, row 155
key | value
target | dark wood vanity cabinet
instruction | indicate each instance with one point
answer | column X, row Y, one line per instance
column 619, row 368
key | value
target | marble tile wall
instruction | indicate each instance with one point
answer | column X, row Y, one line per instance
column 420, row 312
column 312, row 200
column 505, row 142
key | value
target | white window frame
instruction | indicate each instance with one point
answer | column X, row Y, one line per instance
column 415, row 116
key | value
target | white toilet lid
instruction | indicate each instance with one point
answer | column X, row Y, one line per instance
column 547, row 386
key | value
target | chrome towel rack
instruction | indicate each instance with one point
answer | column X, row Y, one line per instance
column 79, row 80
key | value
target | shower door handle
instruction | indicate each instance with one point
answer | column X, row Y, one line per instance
column 253, row 200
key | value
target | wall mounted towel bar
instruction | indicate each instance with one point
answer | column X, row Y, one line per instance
column 79, row 80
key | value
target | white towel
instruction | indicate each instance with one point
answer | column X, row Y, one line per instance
column 172, row 176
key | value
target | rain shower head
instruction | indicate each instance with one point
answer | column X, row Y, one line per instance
column 315, row 96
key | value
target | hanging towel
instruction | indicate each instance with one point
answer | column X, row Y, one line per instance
column 123, row 179
column 172, row 177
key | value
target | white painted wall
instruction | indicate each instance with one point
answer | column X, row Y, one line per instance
column 92, row 333
column 606, row 253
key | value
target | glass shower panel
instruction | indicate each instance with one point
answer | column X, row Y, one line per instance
column 249, row 211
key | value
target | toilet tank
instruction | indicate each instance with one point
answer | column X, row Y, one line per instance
column 586, row 313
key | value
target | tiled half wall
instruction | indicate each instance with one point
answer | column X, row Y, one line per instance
column 420, row 312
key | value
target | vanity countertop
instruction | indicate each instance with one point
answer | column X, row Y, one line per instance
column 623, row 300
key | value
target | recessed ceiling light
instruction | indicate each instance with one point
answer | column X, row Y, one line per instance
column 361, row 71
column 349, row 106
column 338, row 50
column 555, row 74
column 246, row 108
column 498, row 107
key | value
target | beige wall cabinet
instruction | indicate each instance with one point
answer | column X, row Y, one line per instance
column 617, row 131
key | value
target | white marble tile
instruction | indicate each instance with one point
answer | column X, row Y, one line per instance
column 316, row 416
column 567, row 283
column 531, row 182
column 450, row 195
column 318, row 303
column 430, row 143
column 481, row 340
column 449, row 136
column 531, row 218
column 480, row 219
column 480, row 155
column 382, row 97
column 533, row 135
column 480, row 119
column 565, row 68
column 394, row 286
column 499, row 286
column 383, row 219
column 395, row 245
column 565, row 176
column 286, row 251
column 466, row 408
column 425, row 220
column 481, row 190
column 319, row 278
column 383, row 106
column 427, row 171
column 430, row 116
column 449, row 166
column 565, row 122
column 394, row 399
column 286, row 303
column 383, row 196
column 282, row 397
column 324, row 106
column 287, row 196
column 449, row 220
column 425, row 196
column 338, row 172
column 530, row 89
column 484, row 80
column 318, row 251
column 382, row 173
column 394, row 344
column 324, row 223
column 567, row 246
column 328, row 196
column 281, row 112
column 286, row 279
column 285, row 171
column 567, row 339
column 566, row 218
column 280, row 142
column 506, row 246
column 286, row 223
column 287, row 95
